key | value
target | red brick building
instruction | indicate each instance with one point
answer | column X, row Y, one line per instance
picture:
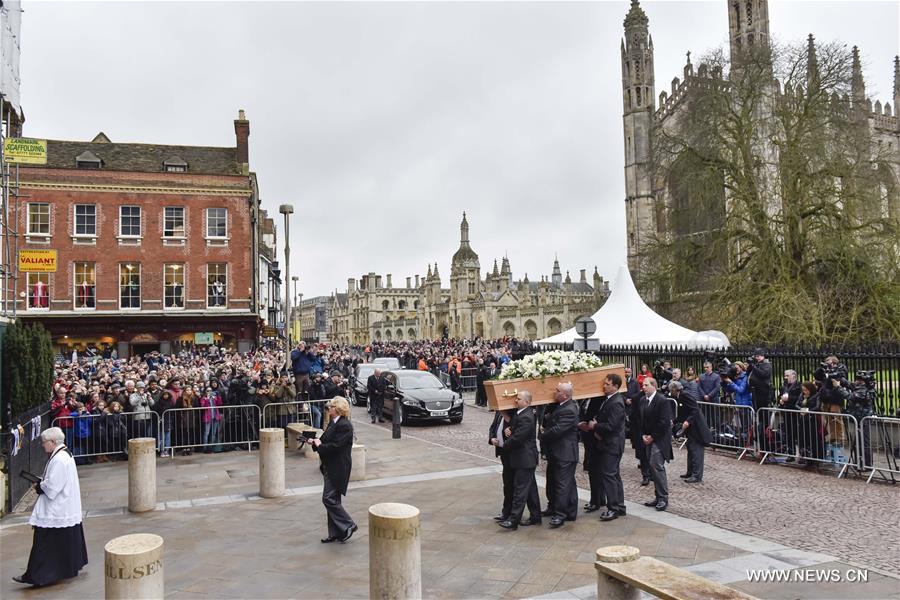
column 155, row 244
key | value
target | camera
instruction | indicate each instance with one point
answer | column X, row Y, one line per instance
column 726, row 369
column 867, row 377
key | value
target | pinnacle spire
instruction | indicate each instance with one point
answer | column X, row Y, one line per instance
column 464, row 231
column 896, row 79
column 857, row 84
column 636, row 16
column 812, row 65
column 496, row 272
column 429, row 271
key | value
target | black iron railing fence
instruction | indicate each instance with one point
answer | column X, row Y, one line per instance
column 24, row 453
column 884, row 359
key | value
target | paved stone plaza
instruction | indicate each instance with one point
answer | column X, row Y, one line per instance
column 223, row 541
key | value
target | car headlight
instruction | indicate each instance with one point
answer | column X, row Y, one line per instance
column 457, row 401
column 409, row 402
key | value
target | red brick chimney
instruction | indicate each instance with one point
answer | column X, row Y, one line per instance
column 242, row 135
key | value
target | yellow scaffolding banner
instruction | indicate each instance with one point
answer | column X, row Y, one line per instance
column 37, row 261
column 25, row 151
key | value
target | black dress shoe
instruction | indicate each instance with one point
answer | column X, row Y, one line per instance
column 686, row 475
column 531, row 521
column 590, row 507
column 548, row 513
column 556, row 522
column 509, row 524
column 609, row 515
column 653, row 502
column 662, row 505
column 349, row 533
column 645, row 481
column 380, row 420
column 20, row 579
column 501, row 517
column 373, row 419
column 328, row 540
column 621, row 512
column 692, row 479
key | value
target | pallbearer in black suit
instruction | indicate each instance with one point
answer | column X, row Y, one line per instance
column 497, row 439
column 656, row 434
column 521, row 452
column 334, row 448
column 608, row 429
column 693, row 423
column 559, row 437
column 591, row 451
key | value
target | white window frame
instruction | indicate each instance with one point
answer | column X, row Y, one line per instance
column 75, row 286
column 140, row 287
column 183, row 235
column 75, row 233
column 28, row 285
column 210, row 239
column 208, row 295
column 28, row 223
column 140, row 216
column 183, row 286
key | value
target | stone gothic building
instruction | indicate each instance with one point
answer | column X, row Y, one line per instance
column 653, row 205
column 489, row 307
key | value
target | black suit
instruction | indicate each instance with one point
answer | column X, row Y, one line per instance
column 656, row 421
column 507, row 472
column 335, row 454
column 610, row 436
column 376, row 387
column 591, row 453
column 520, row 449
column 560, row 441
column 697, row 433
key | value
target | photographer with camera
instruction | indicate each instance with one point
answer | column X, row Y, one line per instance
column 861, row 404
column 662, row 373
column 759, row 380
column 790, row 396
column 834, row 392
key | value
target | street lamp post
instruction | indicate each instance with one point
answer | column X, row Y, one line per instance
column 287, row 210
column 299, row 309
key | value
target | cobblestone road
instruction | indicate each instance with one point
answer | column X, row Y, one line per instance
column 846, row 518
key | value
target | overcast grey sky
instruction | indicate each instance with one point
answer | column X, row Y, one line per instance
column 382, row 122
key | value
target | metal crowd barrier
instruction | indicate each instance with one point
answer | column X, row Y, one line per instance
column 795, row 433
column 104, row 435
column 880, row 447
column 189, row 429
column 279, row 414
column 468, row 379
column 733, row 426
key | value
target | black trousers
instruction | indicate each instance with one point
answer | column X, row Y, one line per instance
column 643, row 455
column 376, row 406
column 338, row 519
column 695, row 455
column 525, row 492
column 611, row 480
column 565, row 493
column 508, row 486
column 598, row 496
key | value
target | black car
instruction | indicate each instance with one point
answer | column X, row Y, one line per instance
column 420, row 396
column 359, row 382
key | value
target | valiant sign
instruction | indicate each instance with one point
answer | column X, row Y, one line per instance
column 37, row 261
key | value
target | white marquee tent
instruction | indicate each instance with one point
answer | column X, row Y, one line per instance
column 626, row 320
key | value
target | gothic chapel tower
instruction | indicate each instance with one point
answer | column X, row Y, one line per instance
column 748, row 25
column 638, row 93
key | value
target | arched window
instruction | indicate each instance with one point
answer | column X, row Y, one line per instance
column 385, row 305
column 554, row 326
column 402, row 305
column 531, row 329
column 509, row 329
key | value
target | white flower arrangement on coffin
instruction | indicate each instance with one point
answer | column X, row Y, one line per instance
column 549, row 364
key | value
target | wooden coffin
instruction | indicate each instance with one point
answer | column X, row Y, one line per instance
column 501, row 393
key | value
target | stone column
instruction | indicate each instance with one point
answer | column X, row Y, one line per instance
column 609, row 587
column 358, row 460
column 395, row 560
column 271, row 462
column 141, row 474
column 134, row 567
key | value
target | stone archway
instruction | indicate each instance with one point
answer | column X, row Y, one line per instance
column 553, row 326
column 399, row 334
column 411, row 333
column 531, row 329
column 509, row 329
column 378, row 335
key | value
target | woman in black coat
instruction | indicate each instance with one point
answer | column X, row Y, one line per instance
column 334, row 448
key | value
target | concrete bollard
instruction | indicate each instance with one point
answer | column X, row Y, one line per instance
column 271, row 462
column 609, row 587
column 358, row 460
column 395, row 557
column 134, row 567
column 141, row 474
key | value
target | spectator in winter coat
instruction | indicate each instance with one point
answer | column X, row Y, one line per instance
column 738, row 386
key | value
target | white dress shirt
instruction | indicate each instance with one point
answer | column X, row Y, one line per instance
column 60, row 503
